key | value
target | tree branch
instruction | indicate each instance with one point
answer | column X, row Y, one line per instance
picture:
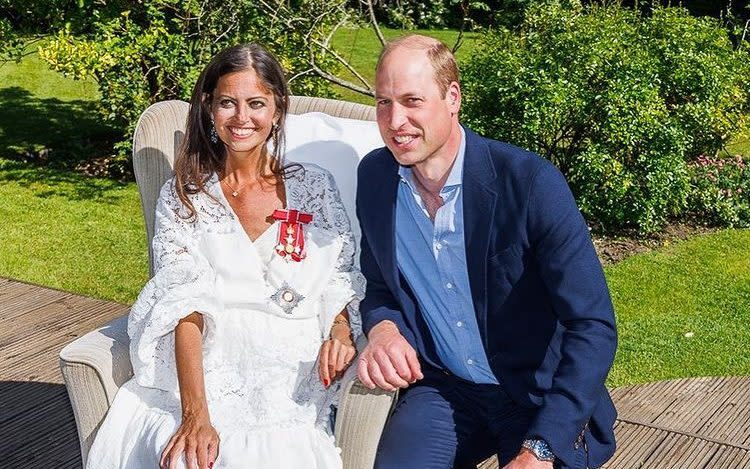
column 278, row 12
column 374, row 22
column 343, row 83
column 464, row 20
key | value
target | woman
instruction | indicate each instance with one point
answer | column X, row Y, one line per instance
column 254, row 283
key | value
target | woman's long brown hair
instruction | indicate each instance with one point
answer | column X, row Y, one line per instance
column 199, row 157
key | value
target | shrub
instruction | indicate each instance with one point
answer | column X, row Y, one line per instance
column 618, row 101
column 720, row 190
column 11, row 45
column 155, row 49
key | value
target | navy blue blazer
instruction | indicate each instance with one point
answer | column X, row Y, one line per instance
column 539, row 292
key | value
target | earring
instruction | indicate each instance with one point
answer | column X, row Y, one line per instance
column 275, row 136
column 212, row 132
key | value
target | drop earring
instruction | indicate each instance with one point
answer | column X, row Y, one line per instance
column 212, row 132
column 275, row 136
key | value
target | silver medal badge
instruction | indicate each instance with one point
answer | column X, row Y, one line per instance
column 287, row 298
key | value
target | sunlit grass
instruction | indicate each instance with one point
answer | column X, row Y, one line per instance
column 71, row 232
column 683, row 310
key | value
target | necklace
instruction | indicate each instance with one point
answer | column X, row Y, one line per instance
column 235, row 192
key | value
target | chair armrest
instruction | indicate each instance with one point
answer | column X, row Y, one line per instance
column 360, row 419
column 94, row 367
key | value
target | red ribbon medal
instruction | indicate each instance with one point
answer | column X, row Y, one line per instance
column 291, row 238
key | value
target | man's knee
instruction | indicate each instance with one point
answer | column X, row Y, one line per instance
column 421, row 432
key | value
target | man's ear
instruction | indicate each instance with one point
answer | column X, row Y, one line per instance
column 454, row 97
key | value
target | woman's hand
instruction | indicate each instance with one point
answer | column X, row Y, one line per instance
column 196, row 439
column 336, row 353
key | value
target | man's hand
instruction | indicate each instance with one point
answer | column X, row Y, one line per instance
column 525, row 459
column 388, row 362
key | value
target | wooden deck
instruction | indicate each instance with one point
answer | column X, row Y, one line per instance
column 36, row 422
column 697, row 423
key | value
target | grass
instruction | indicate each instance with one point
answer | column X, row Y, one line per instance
column 683, row 310
column 48, row 117
column 71, row 232
column 740, row 145
column 360, row 48
column 86, row 235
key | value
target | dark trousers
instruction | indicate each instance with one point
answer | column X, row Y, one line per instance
column 446, row 422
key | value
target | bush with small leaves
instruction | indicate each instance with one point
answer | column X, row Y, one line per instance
column 620, row 102
column 720, row 192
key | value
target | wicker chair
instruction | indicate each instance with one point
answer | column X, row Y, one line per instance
column 96, row 364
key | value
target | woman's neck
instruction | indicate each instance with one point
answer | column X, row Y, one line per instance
column 244, row 168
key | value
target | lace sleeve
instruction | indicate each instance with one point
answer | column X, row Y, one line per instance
column 347, row 284
column 183, row 283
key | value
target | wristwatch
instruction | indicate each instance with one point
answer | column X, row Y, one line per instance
column 540, row 449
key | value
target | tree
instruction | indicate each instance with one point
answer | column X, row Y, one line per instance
column 145, row 51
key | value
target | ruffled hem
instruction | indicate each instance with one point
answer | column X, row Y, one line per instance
column 134, row 434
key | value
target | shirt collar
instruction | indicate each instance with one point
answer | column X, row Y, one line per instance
column 455, row 177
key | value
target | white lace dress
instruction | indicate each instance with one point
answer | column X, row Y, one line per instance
column 264, row 395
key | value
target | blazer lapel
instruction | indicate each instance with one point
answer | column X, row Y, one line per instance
column 383, row 243
column 479, row 199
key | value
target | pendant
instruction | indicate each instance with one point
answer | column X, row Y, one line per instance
column 287, row 298
column 234, row 193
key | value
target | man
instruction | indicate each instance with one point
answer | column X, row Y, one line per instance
column 485, row 303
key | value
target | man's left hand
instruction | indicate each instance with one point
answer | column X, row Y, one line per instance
column 525, row 459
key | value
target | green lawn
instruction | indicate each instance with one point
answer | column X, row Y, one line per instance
column 71, row 232
column 740, row 145
column 684, row 309
column 45, row 115
column 360, row 47
column 86, row 235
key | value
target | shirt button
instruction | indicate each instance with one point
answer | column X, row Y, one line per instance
column 448, row 285
column 470, row 361
column 460, row 324
column 438, row 246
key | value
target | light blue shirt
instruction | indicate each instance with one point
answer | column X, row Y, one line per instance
column 432, row 258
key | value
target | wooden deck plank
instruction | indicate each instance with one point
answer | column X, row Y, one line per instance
column 65, row 318
column 635, row 444
column 26, row 353
column 10, row 289
column 730, row 421
column 645, row 402
column 21, row 303
column 25, row 398
column 704, row 400
column 42, row 434
column 491, row 463
column 671, row 448
column 729, row 458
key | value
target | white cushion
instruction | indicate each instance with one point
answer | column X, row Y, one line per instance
column 335, row 144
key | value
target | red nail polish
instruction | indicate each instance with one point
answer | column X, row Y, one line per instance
column 210, row 464
column 325, row 382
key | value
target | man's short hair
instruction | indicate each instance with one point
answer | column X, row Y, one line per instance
column 444, row 66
